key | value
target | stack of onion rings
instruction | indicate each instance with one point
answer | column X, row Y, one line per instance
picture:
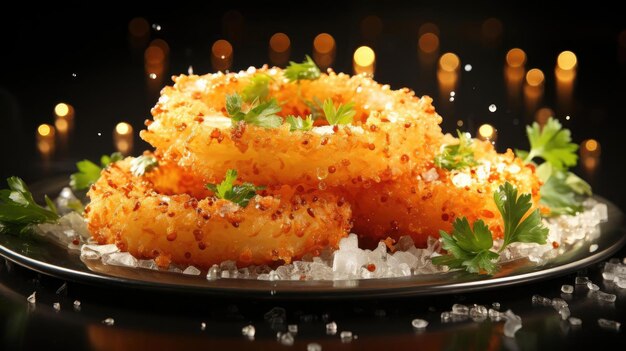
column 377, row 174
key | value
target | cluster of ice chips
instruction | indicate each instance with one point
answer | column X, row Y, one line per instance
column 480, row 313
column 349, row 262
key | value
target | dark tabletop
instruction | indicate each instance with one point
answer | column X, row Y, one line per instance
column 87, row 58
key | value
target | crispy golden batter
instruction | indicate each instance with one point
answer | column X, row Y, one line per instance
column 422, row 204
column 154, row 217
column 394, row 132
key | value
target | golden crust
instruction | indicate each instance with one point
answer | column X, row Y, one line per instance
column 394, row 132
column 149, row 221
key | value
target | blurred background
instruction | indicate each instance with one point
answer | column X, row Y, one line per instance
column 78, row 80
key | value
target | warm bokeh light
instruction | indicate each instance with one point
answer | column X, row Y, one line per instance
column 222, row 49
column 154, row 55
column 449, row 62
column 542, row 115
column 160, row 43
column 138, row 27
column 279, row 42
column 371, row 27
column 566, row 60
column 61, row 109
column 429, row 43
column 516, row 57
column 590, row 148
column 428, row 27
column 486, row 132
column 324, row 43
column 364, row 56
column 591, row 145
column 61, row 125
column 123, row 128
column 45, row 130
column 534, row 77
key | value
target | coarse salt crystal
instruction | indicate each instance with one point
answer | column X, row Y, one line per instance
column 419, row 323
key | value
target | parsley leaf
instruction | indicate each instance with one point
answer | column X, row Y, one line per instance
column 258, row 88
column 457, row 156
column 143, row 164
column 262, row 115
column 513, row 209
column 315, row 105
column 307, row 70
column 18, row 209
column 562, row 190
column 552, row 143
column 470, row 248
column 341, row 115
column 299, row 123
column 239, row 194
column 89, row 172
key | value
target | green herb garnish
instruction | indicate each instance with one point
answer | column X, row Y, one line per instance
column 239, row 194
column 470, row 248
column 307, row 70
column 258, row 89
column 89, row 172
column 340, row 115
column 262, row 115
column 562, row 191
column 299, row 123
column 18, row 209
column 316, row 107
column 457, row 156
column 552, row 143
column 143, row 164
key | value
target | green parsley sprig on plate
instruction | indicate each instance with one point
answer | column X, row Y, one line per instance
column 239, row 194
column 258, row 89
column 89, row 172
column 457, row 156
column 299, row 123
column 471, row 247
column 562, row 190
column 262, row 115
column 343, row 114
column 19, row 211
column 307, row 70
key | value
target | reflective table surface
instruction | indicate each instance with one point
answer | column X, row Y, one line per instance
column 83, row 72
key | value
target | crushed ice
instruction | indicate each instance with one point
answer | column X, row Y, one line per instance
column 349, row 262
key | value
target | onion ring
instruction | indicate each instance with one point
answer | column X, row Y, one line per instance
column 151, row 217
column 420, row 205
column 393, row 132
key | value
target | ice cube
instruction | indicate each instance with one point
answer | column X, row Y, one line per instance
column 581, row 280
column 313, row 346
column 350, row 242
column 32, row 298
column 609, row 324
column 109, row 321
column 203, row 326
column 331, row 328
column 76, row 305
column 123, row 259
column 419, row 323
column 248, row 331
column 478, row 313
column 191, row 270
column 56, row 306
column 575, row 321
column 495, row 315
column 593, row 287
column 567, row 289
column 286, row 339
column 564, row 312
column 292, row 328
column 213, row 273
column 558, row 303
column 460, row 309
column 605, row 297
column 496, row 305
column 346, row 336
column 445, row 317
